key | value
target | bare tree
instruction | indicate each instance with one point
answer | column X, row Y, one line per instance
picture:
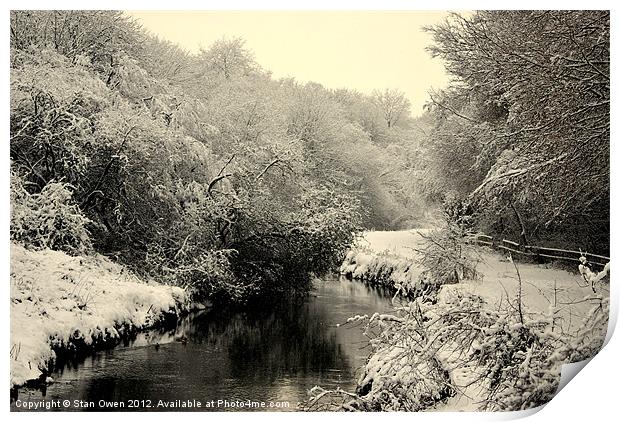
column 228, row 57
column 393, row 105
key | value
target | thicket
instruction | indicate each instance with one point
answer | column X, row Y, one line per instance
column 498, row 357
column 520, row 137
column 197, row 169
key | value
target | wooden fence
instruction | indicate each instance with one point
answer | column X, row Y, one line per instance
column 539, row 251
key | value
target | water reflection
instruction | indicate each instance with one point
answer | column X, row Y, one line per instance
column 275, row 353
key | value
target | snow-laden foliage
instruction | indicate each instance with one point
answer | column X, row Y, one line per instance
column 448, row 255
column 523, row 361
column 208, row 190
column 523, row 132
column 49, row 219
column 590, row 276
column 404, row 371
column 424, row 353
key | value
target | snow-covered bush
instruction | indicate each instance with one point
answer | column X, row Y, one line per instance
column 404, row 371
column 449, row 256
column 523, row 361
column 589, row 337
column 446, row 257
column 500, row 359
column 207, row 275
column 513, row 358
column 48, row 219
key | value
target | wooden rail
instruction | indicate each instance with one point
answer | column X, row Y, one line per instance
column 537, row 251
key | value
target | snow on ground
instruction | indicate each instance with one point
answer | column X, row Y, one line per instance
column 400, row 243
column 56, row 298
column 542, row 284
column 386, row 258
column 545, row 290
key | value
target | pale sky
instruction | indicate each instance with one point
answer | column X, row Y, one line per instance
column 358, row 50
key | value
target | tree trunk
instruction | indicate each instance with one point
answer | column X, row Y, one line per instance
column 524, row 239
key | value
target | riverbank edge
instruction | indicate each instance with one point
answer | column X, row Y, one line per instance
column 401, row 275
column 383, row 267
column 405, row 278
column 49, row 325
column 77, row 349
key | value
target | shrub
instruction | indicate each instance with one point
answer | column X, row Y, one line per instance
column 48, row 219
column 424, row 353
column 449, row 255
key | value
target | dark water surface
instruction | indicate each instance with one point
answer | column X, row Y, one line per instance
column 275, row 355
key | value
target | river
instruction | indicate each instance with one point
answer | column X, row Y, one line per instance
column 274, row 355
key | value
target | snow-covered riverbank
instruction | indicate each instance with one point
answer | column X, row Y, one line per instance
column 387, row 259
column 60, row 301
column 507, row 306
column 393, row 255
